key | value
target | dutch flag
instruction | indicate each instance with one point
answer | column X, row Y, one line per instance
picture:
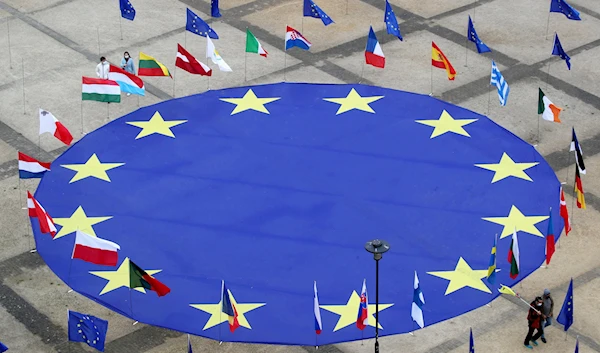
column 318, row 323
column 293, row 38
column 30, row 168
column 373, row 53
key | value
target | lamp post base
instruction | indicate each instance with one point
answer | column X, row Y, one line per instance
column 376, row 347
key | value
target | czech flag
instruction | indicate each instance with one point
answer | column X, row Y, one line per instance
column 30, row 168
column 373, row 53
column 228, row 308
column 317, row 310
column 294, row 38
column 362, row 319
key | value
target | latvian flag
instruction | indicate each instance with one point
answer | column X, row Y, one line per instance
column 187, row 62
column 37, row 211
column 100, row 90
column 95, row 250
column 373, row 53
column 317, row 311
column 30, row 168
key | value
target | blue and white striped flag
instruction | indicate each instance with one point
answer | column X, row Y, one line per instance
column 498, row 80
column 417, row 304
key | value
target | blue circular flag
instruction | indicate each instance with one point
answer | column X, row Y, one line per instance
column 223, row 214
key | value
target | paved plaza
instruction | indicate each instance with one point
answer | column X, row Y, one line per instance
column 55, row 42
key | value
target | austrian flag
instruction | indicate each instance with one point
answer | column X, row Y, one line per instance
column 37, row 211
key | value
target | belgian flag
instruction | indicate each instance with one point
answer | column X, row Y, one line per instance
column 138, row 278
column 579, row 190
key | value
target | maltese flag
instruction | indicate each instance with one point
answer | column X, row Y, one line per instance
column 48, row 123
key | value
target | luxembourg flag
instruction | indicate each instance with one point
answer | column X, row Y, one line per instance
column 293, row 38
column 373, row 53
column 318, row 323
column 362, row 319
column 48, row 123
column 37, row 211
column 129, row 83
column 31, row 168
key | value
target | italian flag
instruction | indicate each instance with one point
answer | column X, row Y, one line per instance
column 139, row 278
column 513, row 256
column 253, row 45
column 148, row 66
column 97, row 89
column 548, row 110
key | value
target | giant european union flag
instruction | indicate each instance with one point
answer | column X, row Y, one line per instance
column 273, row 187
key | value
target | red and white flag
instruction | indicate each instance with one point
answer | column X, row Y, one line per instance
column 564, row 213
column 95, row 250
column 362, row 319
column 48, row 123
column 37, row 211
column 187, row 62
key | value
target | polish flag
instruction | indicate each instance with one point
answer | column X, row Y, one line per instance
column 95, row 250
column 564, row 213
column 37, row 211
column 48, row 123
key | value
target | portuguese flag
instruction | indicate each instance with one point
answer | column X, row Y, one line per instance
column 138, row 278
column 148, row 66
column 513, row 256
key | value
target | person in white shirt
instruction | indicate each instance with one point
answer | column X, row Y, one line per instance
column 102, row 68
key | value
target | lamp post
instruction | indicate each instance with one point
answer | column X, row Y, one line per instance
column 377, row 247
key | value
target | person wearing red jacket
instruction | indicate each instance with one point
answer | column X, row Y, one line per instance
column 534, row 319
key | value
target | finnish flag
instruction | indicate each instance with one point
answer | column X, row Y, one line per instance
column 417, row 304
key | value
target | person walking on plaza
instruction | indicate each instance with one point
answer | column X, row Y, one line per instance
column 102, row 68
column 547, row 312
column 534, row 319
column 127, row 64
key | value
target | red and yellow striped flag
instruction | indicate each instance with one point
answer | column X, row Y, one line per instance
column 439, row 60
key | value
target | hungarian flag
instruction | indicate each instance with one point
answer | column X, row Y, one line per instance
column 138, row 278
column 578, row 152
column 513, row 256
column 187, row 62
column 100, row 90
column 37, row 211
column 548, row 110
column 253, row 45
column 228, row 308
column 579, row 190
column 439, row 60
column 148, row 66
column 95, row 250
column 48, row 123
column 362, row 319
column 564, row 213
column 549, row 240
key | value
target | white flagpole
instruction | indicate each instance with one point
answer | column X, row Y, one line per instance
column 8, row 35
column 284, row 54
column 23, row 72
column 174, row 74
column 121, row 26
column 98, row 35
column 221, row 308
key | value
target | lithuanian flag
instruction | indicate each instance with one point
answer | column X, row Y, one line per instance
column 139, row 278
column 149, row 66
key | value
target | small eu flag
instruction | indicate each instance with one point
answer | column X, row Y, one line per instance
column 473, row 37
column 390, row 21
column 214, row 8
column 312, row 10
column 197, row 26
column 563, row 7
column 3, row 348
column 566, row 313
column 127, row 10
column 558, row 50
column 471, row 343
column 88, row 329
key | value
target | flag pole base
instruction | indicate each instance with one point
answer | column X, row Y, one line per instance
column 411, row 333
column 135, row 323
column 220, row 343
column 563, row 182
column 70, row 290
column 24, row 208
column 33, row 251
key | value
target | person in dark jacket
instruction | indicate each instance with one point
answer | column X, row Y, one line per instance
column 547, row 312
column 534, row 319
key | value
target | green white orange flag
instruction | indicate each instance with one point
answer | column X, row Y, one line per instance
column 253, row 45
column 513, row 256
column 100, row 90
column 548, row 110
column 148, row 66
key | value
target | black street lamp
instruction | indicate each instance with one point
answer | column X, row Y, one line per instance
column 377, row 247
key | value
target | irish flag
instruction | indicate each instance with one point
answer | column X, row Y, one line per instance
column 548, row 110
column 100, row 90
column 513, row 256
column 253, row 45
column 95, row 250
column 148, row 66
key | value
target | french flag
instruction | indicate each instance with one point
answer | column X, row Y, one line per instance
column 128, row 82
column 317, row 310
column 48, row 123
column 293, row 38
column 37, row 211
column 362, row 319
column 31, row 168
column 95, row 250
column 373, row 53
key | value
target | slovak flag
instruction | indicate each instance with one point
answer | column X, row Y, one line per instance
column 37, row 211
column 362, row 319
column 373, row 53
column 293, row 38
column 318, row 323
column 48, row 123
column 30, row 168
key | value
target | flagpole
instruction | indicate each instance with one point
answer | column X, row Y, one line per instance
column 538, row 137
column 185, row 38
column 284, row 56
column 174, row 74
column 8, row 35
column 108, row 111
column 121, row 26
column 245, row 60
column 466, row 47
column 362, row 72
column 221, row 309
column 98, row 35
column 431, row 81
column 23, row 72
column 346, row 7
column 548, row 76
column 489, row 101
column 82, row 133
column 547, row 25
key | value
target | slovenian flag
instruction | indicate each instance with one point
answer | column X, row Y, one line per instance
column 293, row 38
column 30, row 168
column 128, row 82
column 373, row 53
column 362, row 319
column 317, row 310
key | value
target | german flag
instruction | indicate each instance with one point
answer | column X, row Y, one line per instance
column 579, row 189
column 148, row 66
column 138, row 278
column 439, row 60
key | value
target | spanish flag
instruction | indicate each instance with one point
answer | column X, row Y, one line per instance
column 579, row 190
column 439, row 60
column 149, row 66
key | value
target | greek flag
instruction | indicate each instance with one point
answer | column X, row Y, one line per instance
column 498, row 80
